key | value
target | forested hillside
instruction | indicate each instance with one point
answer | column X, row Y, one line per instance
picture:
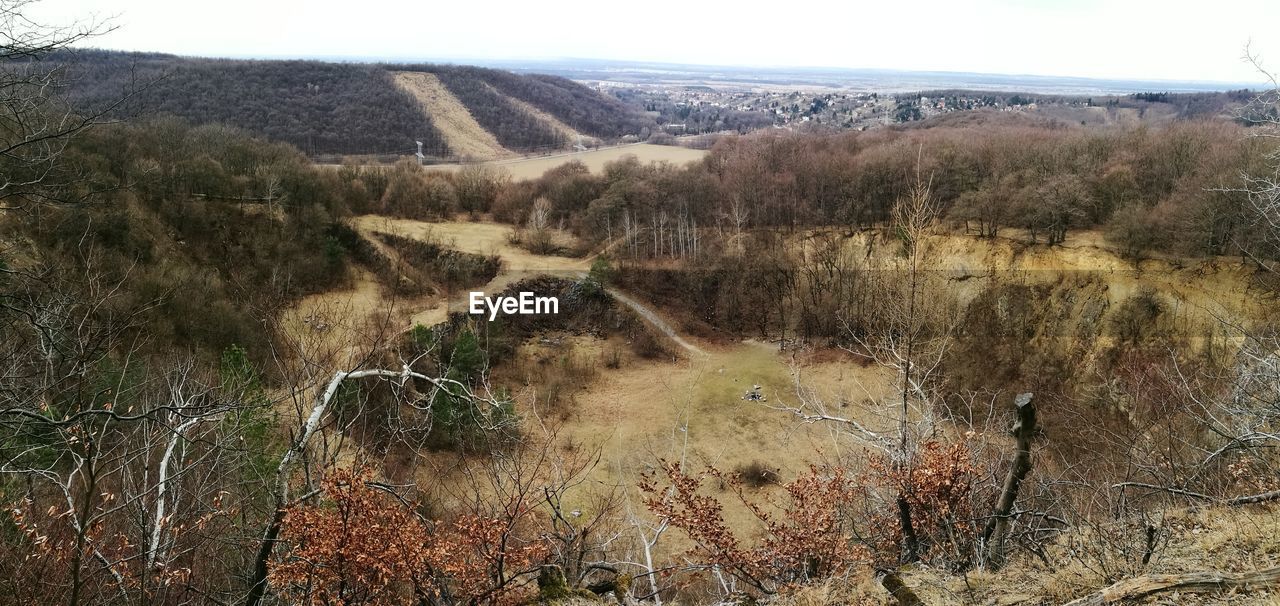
column 322, row 108
column 336, row 108
column 514, row 128
column 574, row 104
column 482, row 90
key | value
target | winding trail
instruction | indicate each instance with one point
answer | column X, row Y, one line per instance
column 654, row 320
column 517, row 263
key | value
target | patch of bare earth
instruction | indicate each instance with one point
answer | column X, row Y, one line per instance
column 464, row 135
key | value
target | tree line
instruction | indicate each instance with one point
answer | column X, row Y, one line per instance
column 1174, row 189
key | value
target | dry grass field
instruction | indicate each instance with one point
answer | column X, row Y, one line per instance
column 692, row 410
column 533, row 167
column 688, row 407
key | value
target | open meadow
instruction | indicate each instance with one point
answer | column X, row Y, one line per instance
column 595, row 159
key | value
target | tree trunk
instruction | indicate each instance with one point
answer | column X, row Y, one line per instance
column 910, row 543
column 1192, row 582
column 899, row 590
column 1257, row 498
column 258, row 587
column 997, row 527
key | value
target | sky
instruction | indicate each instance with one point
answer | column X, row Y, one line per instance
column 1132, row 39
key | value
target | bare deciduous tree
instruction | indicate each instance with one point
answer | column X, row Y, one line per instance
column 36, row 121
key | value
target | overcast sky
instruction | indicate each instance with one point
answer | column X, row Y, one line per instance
column 1145, row 39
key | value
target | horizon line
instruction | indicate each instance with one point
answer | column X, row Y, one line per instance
column 481, row 61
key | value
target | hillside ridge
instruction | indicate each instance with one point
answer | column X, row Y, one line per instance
column 327, row 108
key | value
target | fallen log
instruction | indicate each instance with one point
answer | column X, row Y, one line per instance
column 1252, row 499
column 1191, row 582
column 899, row 590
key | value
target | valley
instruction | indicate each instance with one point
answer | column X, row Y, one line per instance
column 327, row 318
column 691, row 404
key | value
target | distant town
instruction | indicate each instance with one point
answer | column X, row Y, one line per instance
column 693, row 109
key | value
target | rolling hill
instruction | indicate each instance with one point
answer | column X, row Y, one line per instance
column 355, row 109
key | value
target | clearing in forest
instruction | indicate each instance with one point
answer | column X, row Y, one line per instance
column 688, row 408
column 464, row 135
column 474, row 238
column 517, row 264
column 533, row 167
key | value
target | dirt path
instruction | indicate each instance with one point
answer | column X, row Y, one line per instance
column 464, row 135
column 656, row 321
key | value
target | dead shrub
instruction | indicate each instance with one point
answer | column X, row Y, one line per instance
column 757, row 474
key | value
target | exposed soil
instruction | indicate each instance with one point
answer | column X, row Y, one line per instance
column 461, row 132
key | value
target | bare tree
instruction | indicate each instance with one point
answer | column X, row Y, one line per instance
column 738, row 213
column 910, row 339
column 537, row 235
column 907, row 346
column 405, row 382
column 1225, row 451
column 1237, row 417
column 1263, row 190
column 108, row 450
column 36, row 120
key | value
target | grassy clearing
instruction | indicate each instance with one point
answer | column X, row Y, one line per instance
column 532, row 168
column 476, row 238
column 692, row 410
column 343, row 317
column 334, row 324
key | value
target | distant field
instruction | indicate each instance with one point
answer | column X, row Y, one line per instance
column 528, row 168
